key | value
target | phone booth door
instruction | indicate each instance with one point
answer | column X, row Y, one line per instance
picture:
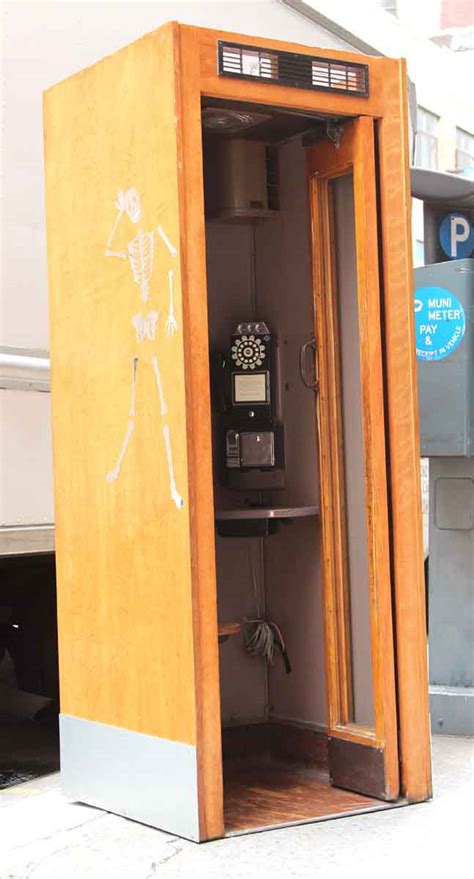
column 362, row 725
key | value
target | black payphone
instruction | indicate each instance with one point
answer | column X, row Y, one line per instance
column 252, row 435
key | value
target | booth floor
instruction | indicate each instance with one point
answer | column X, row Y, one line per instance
column 272, row 795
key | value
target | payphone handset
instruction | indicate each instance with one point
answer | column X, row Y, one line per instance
column 253, row 437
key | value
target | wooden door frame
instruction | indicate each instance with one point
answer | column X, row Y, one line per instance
column 355, row 156
column 197, row 75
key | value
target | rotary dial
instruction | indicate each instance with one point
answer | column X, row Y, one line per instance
column 248, row 352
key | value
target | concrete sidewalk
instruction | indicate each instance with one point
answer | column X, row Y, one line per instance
column 44, row 836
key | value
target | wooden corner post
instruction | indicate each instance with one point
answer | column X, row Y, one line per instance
column 404, row 449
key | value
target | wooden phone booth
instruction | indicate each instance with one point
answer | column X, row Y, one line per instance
column 240, row 581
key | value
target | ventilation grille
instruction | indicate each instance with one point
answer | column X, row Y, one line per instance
column 292, row 69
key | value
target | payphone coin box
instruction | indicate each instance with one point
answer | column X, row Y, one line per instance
column 444, row 348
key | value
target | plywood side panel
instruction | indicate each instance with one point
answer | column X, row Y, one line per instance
column 123, row 543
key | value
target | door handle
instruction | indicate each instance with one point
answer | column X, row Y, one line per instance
column 311, row 383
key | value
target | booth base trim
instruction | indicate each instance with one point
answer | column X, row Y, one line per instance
column 138, row 776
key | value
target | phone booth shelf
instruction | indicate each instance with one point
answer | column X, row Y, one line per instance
column 154, row 257
column 258, row 521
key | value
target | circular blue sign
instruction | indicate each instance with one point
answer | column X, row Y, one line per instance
column 456, row 236
column 440, row 323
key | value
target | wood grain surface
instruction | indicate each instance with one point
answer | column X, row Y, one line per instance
column 276, row 794
column 317, row 101
column 275, row 740
column 403, row 436
column 198, row 410
column 123, row 547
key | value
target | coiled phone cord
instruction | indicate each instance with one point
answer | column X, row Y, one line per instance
column 262, row 636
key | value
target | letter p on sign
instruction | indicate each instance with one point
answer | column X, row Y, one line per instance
column 456, row 236
column 460, row 229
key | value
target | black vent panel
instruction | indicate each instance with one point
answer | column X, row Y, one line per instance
column 292, row 69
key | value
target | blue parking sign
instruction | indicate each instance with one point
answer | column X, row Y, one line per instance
column 440, row 323
column 456, row 236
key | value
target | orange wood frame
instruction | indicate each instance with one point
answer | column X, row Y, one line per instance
column 196, row 75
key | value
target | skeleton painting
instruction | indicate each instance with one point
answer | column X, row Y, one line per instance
column 141, row 254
